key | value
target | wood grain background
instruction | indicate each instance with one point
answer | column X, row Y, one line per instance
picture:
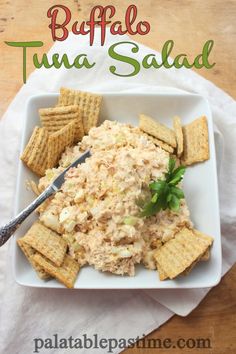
column 189, row 23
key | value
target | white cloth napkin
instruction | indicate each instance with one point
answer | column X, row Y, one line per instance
column 28, row 313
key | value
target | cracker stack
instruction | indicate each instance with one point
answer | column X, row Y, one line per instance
column 76, row 113
column 54, row 119
column 179, row 254
column 89, row 105
column 157, row 130
column 189, row 142
column 46, row 251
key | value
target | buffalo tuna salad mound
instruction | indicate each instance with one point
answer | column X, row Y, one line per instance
column 97, row 210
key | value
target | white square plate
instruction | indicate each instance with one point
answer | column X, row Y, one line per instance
column 200, row 186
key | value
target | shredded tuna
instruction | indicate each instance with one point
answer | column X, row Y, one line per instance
column 98, row 208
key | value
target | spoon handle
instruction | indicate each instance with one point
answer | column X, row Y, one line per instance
column 8, row 230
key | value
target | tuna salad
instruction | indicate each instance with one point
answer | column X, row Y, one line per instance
column 97, row 210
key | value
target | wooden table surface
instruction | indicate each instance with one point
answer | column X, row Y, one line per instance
column 189, row 23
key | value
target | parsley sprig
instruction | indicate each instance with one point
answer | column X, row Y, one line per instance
column 165, row 193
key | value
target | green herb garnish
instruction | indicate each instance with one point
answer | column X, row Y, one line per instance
column 165, row 193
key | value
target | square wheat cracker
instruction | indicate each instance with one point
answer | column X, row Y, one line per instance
column 35, row 153
column 159, row 143
column 89, row 104
column 58, row 141
column 179, row 135
column 30, row 145
column 202, row 236
column 196, row 145
column 156, row 129
column 161, row 273
column 46, row 242
column 29, row 252
column 204, row 257
column 66, row 273
column 177, row 254
column 164, row 146
column 54, row 119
